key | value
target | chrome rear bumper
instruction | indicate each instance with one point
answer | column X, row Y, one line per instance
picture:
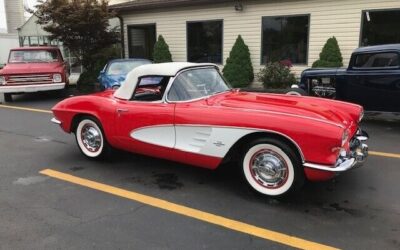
column 346, row 161
column 55, row 121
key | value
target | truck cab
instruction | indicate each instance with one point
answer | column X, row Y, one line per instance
column 33, row 69
column 372, row 79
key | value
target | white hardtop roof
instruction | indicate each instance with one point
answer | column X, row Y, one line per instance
column 160, row 69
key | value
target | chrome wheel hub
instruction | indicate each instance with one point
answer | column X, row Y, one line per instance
column 269, row 169
column 91, row 138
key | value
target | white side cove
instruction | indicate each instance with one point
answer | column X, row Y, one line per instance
column 205, row 140
column 157, row 135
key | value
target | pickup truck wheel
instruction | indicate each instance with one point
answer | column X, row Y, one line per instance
column 8, row 97
column 271, row 167
column 90, row 138
column 296, row 91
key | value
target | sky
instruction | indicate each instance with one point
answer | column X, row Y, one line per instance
column 3, row 24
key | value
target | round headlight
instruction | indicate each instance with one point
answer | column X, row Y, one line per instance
column 2, row 80
column 57, row 78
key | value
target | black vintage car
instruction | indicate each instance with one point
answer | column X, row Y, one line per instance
column 372, row 79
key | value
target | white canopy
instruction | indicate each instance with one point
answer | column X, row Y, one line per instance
column 161, row 69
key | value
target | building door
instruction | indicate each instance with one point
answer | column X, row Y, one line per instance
column 141, row 40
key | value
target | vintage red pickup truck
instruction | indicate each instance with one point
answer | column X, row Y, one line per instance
column 33, row 69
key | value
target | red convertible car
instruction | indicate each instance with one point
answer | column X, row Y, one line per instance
column 187, row 113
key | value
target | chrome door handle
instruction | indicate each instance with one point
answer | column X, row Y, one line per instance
column 122, row 110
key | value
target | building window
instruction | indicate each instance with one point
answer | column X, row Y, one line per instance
column 380, row 27
column 141, row 40
column 285, row 38
column 204, row 41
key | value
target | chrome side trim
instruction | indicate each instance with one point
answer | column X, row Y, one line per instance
column 55, row 121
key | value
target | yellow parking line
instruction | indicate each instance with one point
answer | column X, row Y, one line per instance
column 190, row 212
column 26, row 109
column 383, row 154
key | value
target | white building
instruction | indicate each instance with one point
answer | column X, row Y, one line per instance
column 205, row 30
column 13, row 11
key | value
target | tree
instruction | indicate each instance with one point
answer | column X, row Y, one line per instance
column 330, row 55
column 161, row 51
column 81, row 25
column 239, row 69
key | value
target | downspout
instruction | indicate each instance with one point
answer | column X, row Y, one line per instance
column 121, row 22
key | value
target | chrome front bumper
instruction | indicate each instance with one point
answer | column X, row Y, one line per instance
column 31, row 87
column 346, row 161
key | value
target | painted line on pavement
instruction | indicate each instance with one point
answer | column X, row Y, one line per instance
column 26, row 109
column 383, row 154
column 190, row 212
column 374, row 153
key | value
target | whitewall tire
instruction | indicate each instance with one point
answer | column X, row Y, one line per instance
column 90, row 138
column 271, row 168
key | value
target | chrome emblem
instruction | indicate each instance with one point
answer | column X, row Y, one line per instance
column 218, row 144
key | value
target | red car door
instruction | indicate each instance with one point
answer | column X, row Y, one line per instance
column 145, row 124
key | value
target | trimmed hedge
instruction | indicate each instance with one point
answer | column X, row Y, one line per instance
column 161, row 51
column 238, row 69
column 330, row 55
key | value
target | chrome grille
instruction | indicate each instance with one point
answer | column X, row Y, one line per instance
column 29, row 79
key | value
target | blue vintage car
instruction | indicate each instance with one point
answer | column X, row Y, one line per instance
column 114, row 73
column 372, row 79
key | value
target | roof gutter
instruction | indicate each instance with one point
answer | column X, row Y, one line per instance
column 156, row 4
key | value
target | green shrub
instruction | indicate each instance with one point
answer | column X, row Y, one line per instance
column 88, row 77
column 238, row 69
column 330, row 55
column 161, row 52
column 276, row 75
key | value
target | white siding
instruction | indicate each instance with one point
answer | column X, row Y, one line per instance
column 7, row 41
column 14, row 14
column 339, row 18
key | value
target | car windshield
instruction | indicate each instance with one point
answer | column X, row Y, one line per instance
column 33, row 56
column 197, row 83
column 123, row 68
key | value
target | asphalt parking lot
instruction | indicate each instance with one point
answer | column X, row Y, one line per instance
column 52, row 197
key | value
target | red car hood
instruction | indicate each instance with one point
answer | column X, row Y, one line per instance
column 28, row 68
column 344, row 114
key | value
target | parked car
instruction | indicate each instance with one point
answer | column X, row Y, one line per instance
column 372, row 79
column 115, row 71
column 186, row 112
column 33, row 69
